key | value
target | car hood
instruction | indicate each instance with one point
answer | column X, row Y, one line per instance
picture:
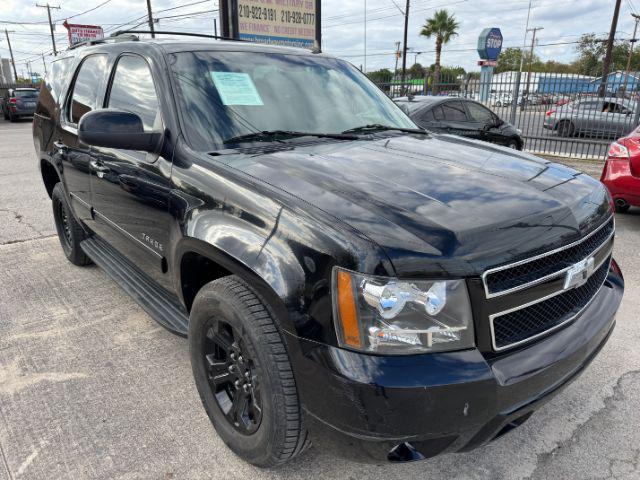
column 439, row 204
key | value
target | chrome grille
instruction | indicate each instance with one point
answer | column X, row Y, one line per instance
column 540, row 294
column 516, row 276
column 526, row 323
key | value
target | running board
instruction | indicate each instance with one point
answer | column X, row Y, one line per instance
column 157, row 301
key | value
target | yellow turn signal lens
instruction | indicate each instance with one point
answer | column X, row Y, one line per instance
column 347, row 309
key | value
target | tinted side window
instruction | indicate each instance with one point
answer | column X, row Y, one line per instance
column 590, row 106
column 438, row 114
column 479, row 113
column 85, row 90
column 454, row 112
column 58, row 77
column 426, row 116
column 132, row 90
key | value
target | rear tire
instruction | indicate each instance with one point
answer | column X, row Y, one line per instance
column 12, row 119
column 622, row 208
column 565, row 129
column 70, row 233
column 244, row 375
column 513, row 144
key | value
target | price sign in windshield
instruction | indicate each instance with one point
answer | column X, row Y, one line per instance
column 292, row 23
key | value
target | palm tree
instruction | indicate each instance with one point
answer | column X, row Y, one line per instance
column 444, row 27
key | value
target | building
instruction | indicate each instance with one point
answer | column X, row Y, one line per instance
column 6, row 72
column 616, row 83
column 541, row 82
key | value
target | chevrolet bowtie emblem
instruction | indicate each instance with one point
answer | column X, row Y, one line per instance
column 579, row 273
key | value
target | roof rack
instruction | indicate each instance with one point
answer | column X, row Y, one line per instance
column 165, row 32
column 103, row 40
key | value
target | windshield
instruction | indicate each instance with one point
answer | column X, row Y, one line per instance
column 223, row 95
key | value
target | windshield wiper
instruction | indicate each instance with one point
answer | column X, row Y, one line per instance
column 279, row 135
column 376, row 127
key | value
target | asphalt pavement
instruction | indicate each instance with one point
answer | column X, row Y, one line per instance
column 92, row 388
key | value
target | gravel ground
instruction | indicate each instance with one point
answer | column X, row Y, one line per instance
column 91, row 387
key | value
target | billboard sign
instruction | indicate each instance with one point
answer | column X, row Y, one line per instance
column 83, row 33
column 490, row 43
column 294, row 23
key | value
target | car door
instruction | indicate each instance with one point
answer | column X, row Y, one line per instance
column 457, row 122
column 74, row 157
column 617, row 119
column 486, row 122
column 131, row 188
column 588, row 117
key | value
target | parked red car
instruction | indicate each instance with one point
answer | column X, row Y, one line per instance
column 621, row 173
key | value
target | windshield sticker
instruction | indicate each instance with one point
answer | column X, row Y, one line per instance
column 236, row 88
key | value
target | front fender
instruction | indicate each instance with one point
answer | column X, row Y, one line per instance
column 283, row 248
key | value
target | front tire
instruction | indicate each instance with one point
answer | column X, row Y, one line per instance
column 244, row 375
column 70, row 233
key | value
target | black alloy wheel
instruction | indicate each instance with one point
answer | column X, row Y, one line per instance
column 233, row 377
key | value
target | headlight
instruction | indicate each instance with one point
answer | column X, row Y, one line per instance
column 391, row 316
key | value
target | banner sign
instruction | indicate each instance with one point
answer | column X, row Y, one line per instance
column 294, row 23
column 490, row 43
column 83, row 33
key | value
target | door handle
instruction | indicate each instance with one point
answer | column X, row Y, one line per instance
column 98, row 168
column 61, row 147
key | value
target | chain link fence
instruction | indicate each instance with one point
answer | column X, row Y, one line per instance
column 568, row 115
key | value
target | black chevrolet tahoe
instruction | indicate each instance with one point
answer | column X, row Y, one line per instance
column 344, row 278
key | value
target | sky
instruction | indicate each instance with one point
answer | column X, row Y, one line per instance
column 343, row 25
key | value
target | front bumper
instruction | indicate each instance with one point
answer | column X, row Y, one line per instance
column 383, row 408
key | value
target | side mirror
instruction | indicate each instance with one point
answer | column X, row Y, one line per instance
column 116, row 129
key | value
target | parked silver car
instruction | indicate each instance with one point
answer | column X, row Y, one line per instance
column 601, row 117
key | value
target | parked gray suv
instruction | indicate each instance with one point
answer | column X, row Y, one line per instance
column 19, row 102
column 601, row 117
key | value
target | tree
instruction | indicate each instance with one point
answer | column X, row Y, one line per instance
column 416, row 71
column 509, row 59
column 443, row 26
column 383, row 75
column 591, row 51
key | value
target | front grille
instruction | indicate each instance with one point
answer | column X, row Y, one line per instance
column 528, row 322
column 502, row 280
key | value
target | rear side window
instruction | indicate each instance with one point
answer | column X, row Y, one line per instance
column 479, row 113
column 438, row 114
column 133, row 91
column 85, row 90
column 58, row 77
column 426, row 116
column 590, row 106
column 454, row 112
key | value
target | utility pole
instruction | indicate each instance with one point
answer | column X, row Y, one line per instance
column 153, row 33
column 365, row 36
column 404, row 48
column 215, row 27
column 533, row 42
column 631, row 43
column 516, row 89
column 15, row 71
column 29, row 73
column 44, row 64
column 395, row 72
column 606, row 65
column 53, row 38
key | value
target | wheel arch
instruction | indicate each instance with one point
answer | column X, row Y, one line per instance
column 198, row 262
column 50, row 175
